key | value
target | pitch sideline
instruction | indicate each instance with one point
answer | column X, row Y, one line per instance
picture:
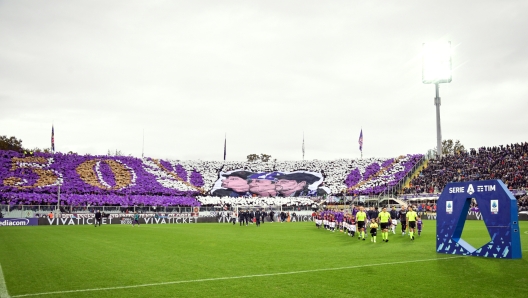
column 227, row 278
column 3, row 287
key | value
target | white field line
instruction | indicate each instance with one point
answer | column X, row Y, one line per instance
column 229, row 277
column 3, row 287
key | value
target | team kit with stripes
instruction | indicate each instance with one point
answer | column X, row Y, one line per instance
column 359, row 221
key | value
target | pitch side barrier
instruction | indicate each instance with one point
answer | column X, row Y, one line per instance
column 474, row 215
column 179, row 218
column 113, row 219
column 18, row 222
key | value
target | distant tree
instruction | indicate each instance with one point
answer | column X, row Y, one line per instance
column 265, row 157
column 11, row 143
column 15, row 144
column 449, row 147
column 255, row 157
column 38, row 150
column 458, row 147
column 116, row 153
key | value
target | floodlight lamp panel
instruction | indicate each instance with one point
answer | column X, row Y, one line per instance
column 436, row 63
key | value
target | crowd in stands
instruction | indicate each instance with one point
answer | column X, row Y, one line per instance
column 375, row 176
column 523, row 203
column 127, row 181
column 255, row 201
column 508, row 163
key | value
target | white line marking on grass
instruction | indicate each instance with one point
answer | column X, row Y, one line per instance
column 3, row 287
column 229, row 277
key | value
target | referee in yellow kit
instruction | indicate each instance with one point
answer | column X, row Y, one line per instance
column 384, row 219
column 361, row 216
column 411, row 221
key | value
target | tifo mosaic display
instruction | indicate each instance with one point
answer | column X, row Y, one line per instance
column 126, row 181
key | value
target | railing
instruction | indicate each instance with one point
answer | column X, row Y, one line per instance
column 33, row 210
column 426, row 195
column 393, row 191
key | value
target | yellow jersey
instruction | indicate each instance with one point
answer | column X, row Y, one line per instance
column 361, row 216
column 411, row 216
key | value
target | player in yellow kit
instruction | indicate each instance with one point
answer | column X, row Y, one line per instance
column 384, row 219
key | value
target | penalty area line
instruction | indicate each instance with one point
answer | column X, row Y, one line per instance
column 3, row 287
column 229, row 277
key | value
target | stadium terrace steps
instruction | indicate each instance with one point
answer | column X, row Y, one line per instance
column 417, row 172
column 377, row 174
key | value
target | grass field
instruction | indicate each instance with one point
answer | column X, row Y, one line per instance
column 222, row 260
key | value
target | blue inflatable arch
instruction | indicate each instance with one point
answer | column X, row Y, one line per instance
column 499, row 212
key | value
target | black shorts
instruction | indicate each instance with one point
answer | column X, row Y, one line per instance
column 361, row 224
column 384, row 225
column 412, row 224
column 373, row 232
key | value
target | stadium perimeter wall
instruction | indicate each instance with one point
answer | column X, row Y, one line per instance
column 183, row 219
column 180, row 218
column 472, row 215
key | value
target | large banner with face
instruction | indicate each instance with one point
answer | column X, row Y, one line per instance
column 239, row 183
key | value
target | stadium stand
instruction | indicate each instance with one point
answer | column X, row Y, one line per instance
column 255, row 201
column 508, row 163
column 127, row 181
column 523, row 203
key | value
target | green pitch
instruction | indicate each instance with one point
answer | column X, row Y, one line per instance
column 222, row 260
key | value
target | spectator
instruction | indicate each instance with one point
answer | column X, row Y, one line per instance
column 508, row 163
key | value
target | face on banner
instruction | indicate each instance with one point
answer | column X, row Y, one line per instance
column 236, row 183
column 268, row 184
column 287, row 187
column 262, row 187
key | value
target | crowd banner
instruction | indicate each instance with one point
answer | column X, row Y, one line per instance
column 130, row 181
column 7, row 222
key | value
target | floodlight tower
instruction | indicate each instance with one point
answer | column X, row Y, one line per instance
column 436, row 69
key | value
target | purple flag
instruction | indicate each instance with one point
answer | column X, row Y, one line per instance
column 361, row 140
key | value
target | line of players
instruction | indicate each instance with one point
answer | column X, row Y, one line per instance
column 358, row 222
column 257, row 215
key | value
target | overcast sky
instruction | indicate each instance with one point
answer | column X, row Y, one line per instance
column 262, row 72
